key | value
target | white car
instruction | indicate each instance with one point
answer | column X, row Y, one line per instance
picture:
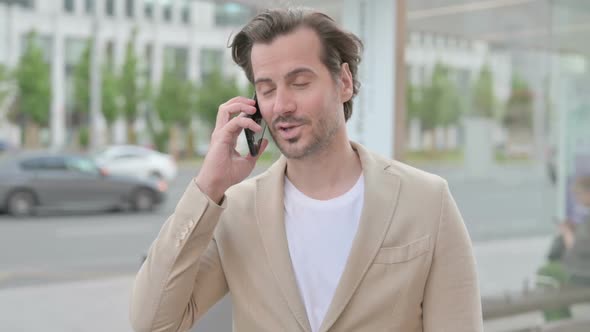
column 133, row 160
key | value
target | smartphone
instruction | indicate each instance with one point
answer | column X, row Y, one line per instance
column 255, row 139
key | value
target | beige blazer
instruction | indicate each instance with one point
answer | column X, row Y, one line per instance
column 411, row 266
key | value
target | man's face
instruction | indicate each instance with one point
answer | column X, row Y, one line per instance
column 298, row 97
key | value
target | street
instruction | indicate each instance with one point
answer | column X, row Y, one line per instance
column 509, row 220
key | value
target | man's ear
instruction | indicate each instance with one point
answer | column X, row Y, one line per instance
column 346, row 84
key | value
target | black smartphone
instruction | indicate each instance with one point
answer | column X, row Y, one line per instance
column 255, row 139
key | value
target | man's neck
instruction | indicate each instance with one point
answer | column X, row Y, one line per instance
column 327, row 174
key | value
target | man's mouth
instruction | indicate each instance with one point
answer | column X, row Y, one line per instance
column 288, row 131
column 287, row 126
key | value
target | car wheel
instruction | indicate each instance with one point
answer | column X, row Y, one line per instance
column 143, row 200
column 21, row 204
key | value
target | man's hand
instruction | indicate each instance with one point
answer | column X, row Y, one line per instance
column 223, row 165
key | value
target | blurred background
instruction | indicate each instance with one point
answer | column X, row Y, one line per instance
column 106, row 108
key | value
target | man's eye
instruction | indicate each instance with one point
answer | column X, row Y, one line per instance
column 268, row 92
column 301, row 85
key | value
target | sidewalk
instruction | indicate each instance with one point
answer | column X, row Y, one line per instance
column 82, row 306
column 102, row 305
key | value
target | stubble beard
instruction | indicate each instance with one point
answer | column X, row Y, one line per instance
column 321, row 138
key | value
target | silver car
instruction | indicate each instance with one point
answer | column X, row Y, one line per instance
column 30, row 182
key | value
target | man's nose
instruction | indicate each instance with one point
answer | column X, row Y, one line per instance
column 284, row 102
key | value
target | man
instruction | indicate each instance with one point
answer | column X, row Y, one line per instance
column 331, row 237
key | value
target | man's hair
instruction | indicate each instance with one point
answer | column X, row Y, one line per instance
column 338, row 46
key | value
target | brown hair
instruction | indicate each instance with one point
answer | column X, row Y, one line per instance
column 339, row 46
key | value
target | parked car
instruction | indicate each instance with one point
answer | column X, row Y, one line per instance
column 5, row 146
column 44, row 180
column 133, row 160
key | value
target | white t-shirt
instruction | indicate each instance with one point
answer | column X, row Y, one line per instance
column 320, row 235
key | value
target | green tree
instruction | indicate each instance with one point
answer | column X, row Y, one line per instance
column 173, row 105
column 214, row 91
column 130, row 89
column 440, row 104
column 82, row 97
column 110, row 97
column 413, row 101
column 519, row 106
column 450, row 107
column 433, row 92
column 34, row 88
column 484, row 101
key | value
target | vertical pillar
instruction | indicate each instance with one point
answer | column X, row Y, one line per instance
column 373, row 121
column 58, row 112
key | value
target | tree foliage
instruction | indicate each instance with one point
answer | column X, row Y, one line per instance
column 484, row 101
column 33, row 80
column 214, row 91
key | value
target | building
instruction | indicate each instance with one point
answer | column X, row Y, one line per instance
column 192, row 35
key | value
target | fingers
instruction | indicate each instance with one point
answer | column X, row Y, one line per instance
column 263, row 146
column 228, row 134
column 232, row 107
column 235, row 125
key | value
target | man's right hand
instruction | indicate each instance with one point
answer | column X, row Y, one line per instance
column 223, row 165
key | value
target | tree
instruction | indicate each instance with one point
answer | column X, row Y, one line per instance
column 34, row 88
column 110, row 97
column 519, row 106
column 413, row 101
column 429, row 115
column 173, row 105
column 130, row 89
column 450, row 107
column 214, row 91
column 440, row 104
column 82, row 97
column 484, row 101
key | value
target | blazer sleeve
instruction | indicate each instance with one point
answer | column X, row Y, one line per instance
column 452, row 300
column 182, row 276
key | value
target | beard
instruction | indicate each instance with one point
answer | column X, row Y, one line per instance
column 321, row 136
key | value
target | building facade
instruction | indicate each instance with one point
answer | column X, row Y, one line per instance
column 191, row 35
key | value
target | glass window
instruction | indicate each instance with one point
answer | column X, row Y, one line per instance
column 504, row 116
column 30, row 4
column 89, row 6
column 211, row 60
column 232, row 14
column 186, row 14
column 81, row 165
column 148, row 9
column 110, row 7
column 176, row 59
column 167, row 12
column 31, row 164
column 68, row 6
column 148, row 61
column 43, row 42
column 43, row 164
column 129, row 8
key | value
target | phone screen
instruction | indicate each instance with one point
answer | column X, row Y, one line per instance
column 255, row 139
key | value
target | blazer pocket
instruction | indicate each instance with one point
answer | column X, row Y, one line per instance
column 392, row 255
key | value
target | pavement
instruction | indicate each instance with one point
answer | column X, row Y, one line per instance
column 102, row 304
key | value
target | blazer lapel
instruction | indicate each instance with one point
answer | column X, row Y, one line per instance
column 381, row 194
column 271, row 224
